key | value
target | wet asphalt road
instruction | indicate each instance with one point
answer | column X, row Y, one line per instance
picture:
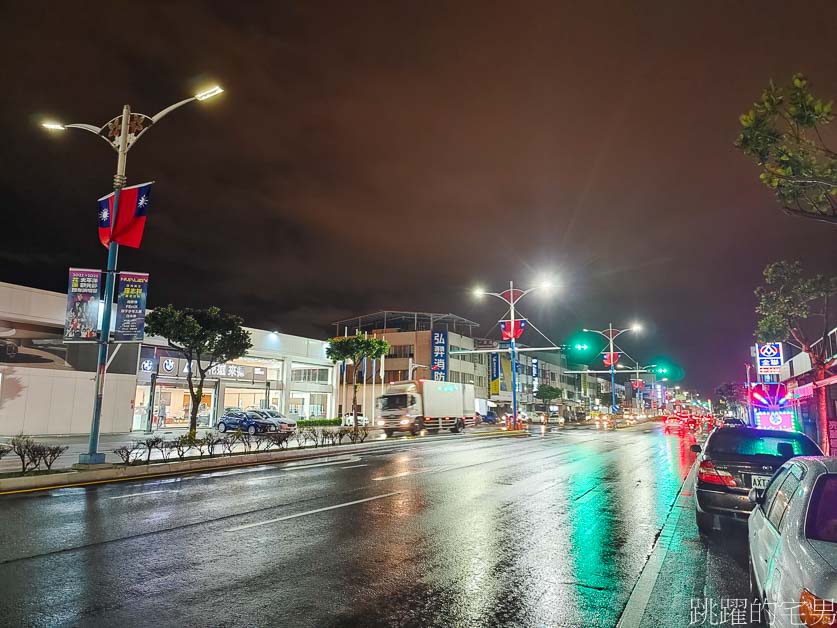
column 547, row 530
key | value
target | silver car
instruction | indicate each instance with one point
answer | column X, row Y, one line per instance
column 793, row 544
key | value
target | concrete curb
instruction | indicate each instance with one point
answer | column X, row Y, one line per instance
column 120, row 474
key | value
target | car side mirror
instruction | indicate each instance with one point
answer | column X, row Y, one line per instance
column 695, row 448
column 755, row 496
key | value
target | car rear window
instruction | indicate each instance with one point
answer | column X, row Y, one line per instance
column 745, row 444
column 822, row 513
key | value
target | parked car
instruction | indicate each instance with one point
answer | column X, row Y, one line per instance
column 246, row 421
column 8, row 349
column 282, row 423
column 736, row 459
column 793, row 544
column 348, row 420
column 490, row 417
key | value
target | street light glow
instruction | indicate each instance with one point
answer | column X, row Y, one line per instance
column 209, row 93
column 478, row 291
column 53, row 126
column 636, row 327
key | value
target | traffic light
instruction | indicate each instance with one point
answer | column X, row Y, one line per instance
column 584, row 347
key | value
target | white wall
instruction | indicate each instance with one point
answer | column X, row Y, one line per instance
column 49, row 401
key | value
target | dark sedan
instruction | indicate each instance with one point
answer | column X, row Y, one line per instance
column 246, row 421
column 733, row 461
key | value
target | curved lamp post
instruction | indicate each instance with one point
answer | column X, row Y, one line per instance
column 510, row 297
column 611, row 333
column 121, row 133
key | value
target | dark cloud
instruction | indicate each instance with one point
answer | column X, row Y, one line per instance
column 390, row 155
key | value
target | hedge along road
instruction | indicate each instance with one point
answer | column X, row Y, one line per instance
column 547, row 530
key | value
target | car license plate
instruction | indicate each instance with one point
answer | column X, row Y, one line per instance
column 760, row 481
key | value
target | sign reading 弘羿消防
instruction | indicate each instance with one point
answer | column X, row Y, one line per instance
column 439, row 356
column 81, row 320
column 130, row 307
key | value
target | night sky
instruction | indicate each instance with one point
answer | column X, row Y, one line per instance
column 391, row 155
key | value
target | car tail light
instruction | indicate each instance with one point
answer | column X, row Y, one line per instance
column 815, row 611
column 709, row 474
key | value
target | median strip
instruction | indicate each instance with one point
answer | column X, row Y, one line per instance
column 310, row 512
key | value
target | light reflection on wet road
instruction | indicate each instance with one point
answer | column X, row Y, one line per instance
column 547, row 530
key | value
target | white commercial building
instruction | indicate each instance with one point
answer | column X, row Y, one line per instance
column 47, row 386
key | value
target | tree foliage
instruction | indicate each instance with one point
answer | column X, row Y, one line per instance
column 794, row 306
column 355, row 349
column 732, row 395
column 547, row 393
column 783, row 134
column 205, row 337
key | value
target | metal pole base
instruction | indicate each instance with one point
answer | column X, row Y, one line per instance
column 97, row 458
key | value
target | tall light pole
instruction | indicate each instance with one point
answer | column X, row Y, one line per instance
column 611, row 334
column 121, row 133
column 510, row 297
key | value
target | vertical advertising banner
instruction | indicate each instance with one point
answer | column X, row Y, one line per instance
column 439, row 356
column 535, row 375
column 130, row 307
column 81, row 320
column 494, row 388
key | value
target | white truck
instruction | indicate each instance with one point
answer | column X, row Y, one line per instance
column 413, row 406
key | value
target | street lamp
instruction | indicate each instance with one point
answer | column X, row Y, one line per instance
column 121, row 133
column 611, row 334
column 510, row 297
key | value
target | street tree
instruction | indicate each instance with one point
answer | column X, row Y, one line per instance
column 795, row 307
column 783, row 133
column 355, row 349
column 205, row 337
column 546, row 393
column 732, row 396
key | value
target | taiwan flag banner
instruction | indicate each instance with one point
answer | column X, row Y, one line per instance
column 130, row 216
column 508, row 331
column 610, row 359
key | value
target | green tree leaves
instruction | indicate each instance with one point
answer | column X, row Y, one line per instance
column 782, row 133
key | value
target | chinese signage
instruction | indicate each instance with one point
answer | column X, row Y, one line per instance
column 179, row 367
column 535, row 374
column 130, row 307
column 769, row 358
column 82, row 317
column 485, row 343
column 439, row 356
column 500, row 388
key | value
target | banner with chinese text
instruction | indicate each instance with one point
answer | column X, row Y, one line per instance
column 130, row 307
column 81, row 321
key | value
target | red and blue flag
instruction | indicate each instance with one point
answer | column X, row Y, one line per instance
column 130, row 216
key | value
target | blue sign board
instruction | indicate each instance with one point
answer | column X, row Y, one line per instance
column 769, row 358
column 439, row 356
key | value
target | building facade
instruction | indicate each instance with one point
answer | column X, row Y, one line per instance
column 47, row 385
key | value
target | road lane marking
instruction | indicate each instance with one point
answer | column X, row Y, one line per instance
column 310, row 512
column 641, row 594
column 355, row 466
column 406, row 473
column 141, row 494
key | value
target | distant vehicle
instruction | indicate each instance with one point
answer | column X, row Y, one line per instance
column 348, row 420
column 733, row 461
column 413, row 406
column 282, row 423
column 605, row 422
column 553, row 418
column 246, row 421
column 733, row 422
column 490, row 417
column 8, row 349
column 673, row 423
column 793, row 544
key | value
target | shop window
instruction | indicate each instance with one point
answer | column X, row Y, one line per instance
column 401, row 351
column 311, row 375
